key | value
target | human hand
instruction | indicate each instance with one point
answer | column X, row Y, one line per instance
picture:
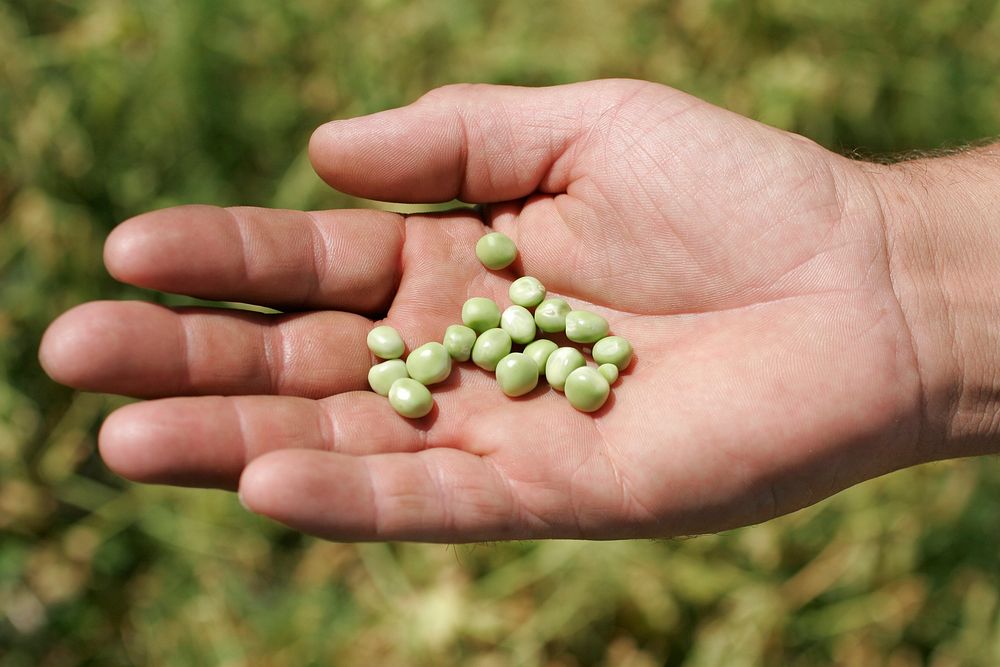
column 748, row 266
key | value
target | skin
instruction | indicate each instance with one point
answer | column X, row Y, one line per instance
column 799, row 323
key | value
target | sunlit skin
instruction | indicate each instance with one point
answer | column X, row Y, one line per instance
column 748, row 267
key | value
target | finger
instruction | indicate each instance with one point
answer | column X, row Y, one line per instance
column 207, row 441
column 477, row 143
column 435, row 495
column 145, row 350
column 346, row 260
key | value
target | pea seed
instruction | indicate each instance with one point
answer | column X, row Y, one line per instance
column 490, row 348
column 496, row 251
column 385, row 342
column 609, row 371
column 410, row 398
column 458, row 340
column 613, row 350
column 480, row 314
column 539, row 351
column 526, row 291
column 586, row 389
column 517, row 374
column 583, row 326
column 381, row 376
column 519, row 323
column 550, row 316
column 560, row 364
column 429, row 364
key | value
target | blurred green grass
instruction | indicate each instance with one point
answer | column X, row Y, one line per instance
column 110, row 108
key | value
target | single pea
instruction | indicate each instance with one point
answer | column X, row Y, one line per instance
column 586, row 389
column 550, row 316
column 429, row 364
column 480, row 314
column 410, row 398
column 496, row 251
column 519, row 323
column 458, row 340
column 540, row 350
column 613, row 350
column 385, row 342
column 526, row 291
column 490, row 348
column 381, row 376
column 609, row 371
column 583, row 326
column 561, row 363
column 517, row 374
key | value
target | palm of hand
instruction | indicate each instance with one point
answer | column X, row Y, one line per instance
column 745, row 265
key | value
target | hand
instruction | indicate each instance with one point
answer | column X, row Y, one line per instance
column 774, row 365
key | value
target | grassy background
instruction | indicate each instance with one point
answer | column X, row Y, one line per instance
column 109, row 108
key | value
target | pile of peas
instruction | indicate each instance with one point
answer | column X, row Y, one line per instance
column 487, row 336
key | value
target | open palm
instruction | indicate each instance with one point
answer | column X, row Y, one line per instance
column 747, row 266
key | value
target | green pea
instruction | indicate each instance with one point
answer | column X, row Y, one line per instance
column 429, row 364
column 609, row 371
column 561, row 363
column 410, row 398
column 496, row 251
column 385, row 342
column 381, row 376
column 583, row 326
column 586, row 389
column 458, row 340
column 490, row 348
column 539, row 351
column 519, row 323
column 613, row 350
column 480, row 314
column 526, row 291
column 517, row 374
column 550, row 316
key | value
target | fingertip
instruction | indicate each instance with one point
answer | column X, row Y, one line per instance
column 167, row 442
column 341, row 155
column 287, row 485
column 76, row 344
column 125, row 242
column 122, row 444
column 262, row 482
column 139, row 250
column 318, row 148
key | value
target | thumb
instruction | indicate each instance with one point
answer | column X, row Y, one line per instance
column 474, row 142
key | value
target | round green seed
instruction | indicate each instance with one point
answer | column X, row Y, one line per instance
column 586, row 389
column 539, row 351
column 583, row 326
column 490, row 348
column 517, row 374
column 480, row 314
column 496, row 251
column 381, row 376
column 458, row 340
column 385, row 342
column 609, row 371
column 429, row 364
column 410, row 398
column 550, row 316
column 519, row 323
column 613, row 350
column 526, row 291
column 561, row 363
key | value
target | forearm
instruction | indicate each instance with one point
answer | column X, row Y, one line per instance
column 942, row 230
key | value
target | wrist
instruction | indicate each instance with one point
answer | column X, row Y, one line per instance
column 942, row 232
